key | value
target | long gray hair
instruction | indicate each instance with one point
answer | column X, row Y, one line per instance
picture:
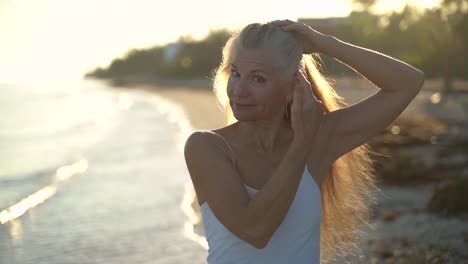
column 348, row 186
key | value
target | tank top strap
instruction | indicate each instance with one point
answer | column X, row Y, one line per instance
column 233, row 156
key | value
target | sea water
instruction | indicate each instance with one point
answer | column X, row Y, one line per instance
column 91, row 173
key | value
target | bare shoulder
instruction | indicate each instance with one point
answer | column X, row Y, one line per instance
column 200, row 136
column 208, row 161
column 207, row 138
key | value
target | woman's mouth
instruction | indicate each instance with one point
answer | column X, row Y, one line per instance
column 243, row 105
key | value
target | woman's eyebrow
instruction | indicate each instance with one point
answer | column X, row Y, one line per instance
column 252, row 71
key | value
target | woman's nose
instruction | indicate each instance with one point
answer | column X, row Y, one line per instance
column 241, row 88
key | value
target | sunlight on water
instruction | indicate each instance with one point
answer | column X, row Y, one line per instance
column 177, row 115
column 395, row 130
column 193, row 218
column 16, row 230
column 31, row 201
column 66, row 172
column 62, row 173
column 435, row 98
column 156, row 125
column 124, row 102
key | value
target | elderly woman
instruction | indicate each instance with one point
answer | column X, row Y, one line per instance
column 289, row 178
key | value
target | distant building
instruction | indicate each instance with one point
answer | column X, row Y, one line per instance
column 171, row 51
column 324, row 25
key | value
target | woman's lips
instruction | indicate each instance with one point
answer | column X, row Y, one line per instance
column 239, row 105
column 243, row 105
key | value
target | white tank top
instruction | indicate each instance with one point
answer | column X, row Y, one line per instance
column 297, row 239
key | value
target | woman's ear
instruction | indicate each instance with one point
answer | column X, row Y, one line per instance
column 290, row 93
column 292, row 84
column 288, row 97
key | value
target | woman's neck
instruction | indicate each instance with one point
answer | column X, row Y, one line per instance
column 265, row 136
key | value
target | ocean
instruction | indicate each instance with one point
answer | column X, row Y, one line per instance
column 91, row 173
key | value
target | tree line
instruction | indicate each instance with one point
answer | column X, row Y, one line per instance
column 434, row 40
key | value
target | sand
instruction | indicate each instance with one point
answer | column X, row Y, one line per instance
column 199, row 105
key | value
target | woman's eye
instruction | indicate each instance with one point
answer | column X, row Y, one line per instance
column 259, row 79
column 256, row 78
column 234, row 73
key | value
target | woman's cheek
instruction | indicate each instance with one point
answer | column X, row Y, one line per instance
column 230, row 85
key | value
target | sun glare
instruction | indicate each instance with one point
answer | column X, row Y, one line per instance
column 63, row 40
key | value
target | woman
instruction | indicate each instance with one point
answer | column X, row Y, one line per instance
column 289, row 179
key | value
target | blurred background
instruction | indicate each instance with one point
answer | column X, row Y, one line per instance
column 98, row 97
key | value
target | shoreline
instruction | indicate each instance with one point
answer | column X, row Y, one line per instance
column 199, row 104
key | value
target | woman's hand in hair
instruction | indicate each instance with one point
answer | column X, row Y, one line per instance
column 309, row 37
column 306, row 112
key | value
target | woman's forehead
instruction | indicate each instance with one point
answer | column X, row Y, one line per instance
column 251, row 59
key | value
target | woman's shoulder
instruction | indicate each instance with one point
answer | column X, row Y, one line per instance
column 207, row 134
column 216, row 137
column 216, row 134
column 202, row 148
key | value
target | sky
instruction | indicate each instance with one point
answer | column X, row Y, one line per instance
column 62, row 39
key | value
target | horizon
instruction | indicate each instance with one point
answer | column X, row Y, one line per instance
column 58, row 40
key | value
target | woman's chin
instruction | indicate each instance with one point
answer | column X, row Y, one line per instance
column 244, row 116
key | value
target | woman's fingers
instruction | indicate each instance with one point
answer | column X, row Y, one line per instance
column 309, row 96
column 298, row 99
column 309, row 37
column 296, row 113
column 286, row 25
column 281, row 22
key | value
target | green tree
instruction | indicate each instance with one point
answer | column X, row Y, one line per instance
column 364, row 5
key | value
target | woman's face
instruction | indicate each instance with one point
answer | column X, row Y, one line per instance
column 254, row 87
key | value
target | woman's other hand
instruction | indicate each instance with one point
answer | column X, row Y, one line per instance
column 306, row 112
column 310, row 38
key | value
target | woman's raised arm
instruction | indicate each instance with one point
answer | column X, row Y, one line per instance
column 353, row 125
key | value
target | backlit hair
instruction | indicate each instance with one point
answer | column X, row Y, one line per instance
column 347, row 190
